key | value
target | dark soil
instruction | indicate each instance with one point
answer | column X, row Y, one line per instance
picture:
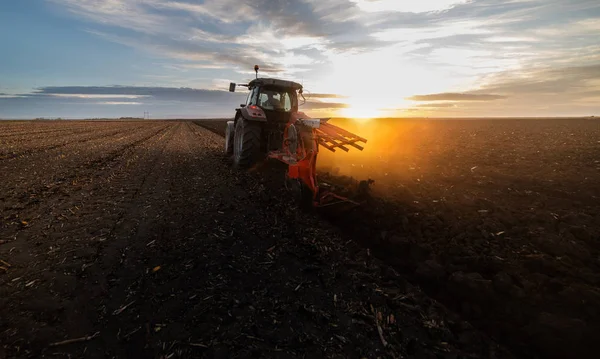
column 136, row 239
column 499, row 220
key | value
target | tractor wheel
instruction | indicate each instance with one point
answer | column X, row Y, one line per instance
column 229, row 131
column 300, row 192
column 246, row 143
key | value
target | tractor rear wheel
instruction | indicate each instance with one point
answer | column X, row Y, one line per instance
column 246, row 143
column 229, row 131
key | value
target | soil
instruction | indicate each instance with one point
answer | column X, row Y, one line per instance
column 137, row 239
column 499, row 220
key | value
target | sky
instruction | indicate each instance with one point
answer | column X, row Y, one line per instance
column 355, row 58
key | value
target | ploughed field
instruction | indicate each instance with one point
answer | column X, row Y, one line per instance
column 499, row 220
column 136, row 239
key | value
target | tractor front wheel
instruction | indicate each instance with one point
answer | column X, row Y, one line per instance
column 246, row 143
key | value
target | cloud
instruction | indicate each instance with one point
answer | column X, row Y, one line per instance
column 470, row 36
column 323, row 95
column 497, row 27
column 120, row 103
column 468, row 51
column 437, row 105
column 198, row 53
column 313, row 105
column 539, row 91
column 88, row 96
column 127, row 14
column 137, row 92
column 546, row 80
column 457, row 97
column 224, row 10
column 151, row 94
column 226, row 30
column 407, row 6
column 5, row 95
column 74, row 101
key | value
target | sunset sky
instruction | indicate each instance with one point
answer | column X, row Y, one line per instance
column 357, row 58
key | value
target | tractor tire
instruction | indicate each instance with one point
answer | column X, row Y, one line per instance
column 301, row 194
column 229, row 132
column 246, row 143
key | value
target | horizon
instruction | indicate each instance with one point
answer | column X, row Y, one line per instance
column 358, row 119
column 78, row 59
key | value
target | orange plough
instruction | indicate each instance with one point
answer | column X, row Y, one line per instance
column 302, row 139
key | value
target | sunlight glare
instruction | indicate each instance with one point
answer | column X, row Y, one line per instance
column 362, row 111
column 379, row 82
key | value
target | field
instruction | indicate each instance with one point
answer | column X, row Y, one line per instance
column 481, row 239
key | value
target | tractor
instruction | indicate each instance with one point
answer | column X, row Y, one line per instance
column 269, row 126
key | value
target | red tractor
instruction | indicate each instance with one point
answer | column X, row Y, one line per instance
column 269, row 125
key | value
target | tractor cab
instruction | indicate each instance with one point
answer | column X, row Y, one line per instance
column 271, row 100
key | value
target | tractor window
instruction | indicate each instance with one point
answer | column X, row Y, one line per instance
column 251, row 100
column 275, row 100
column 269, row 100
column 286, row 102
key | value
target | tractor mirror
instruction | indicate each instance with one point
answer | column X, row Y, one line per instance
column 231, row 87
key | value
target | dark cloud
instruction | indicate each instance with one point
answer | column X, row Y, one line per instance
column 71, row 101
column 156, row 93
column 166, row 94
column 449, row 96
column 320, row 19
column 336, row 21
column 117, row 101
